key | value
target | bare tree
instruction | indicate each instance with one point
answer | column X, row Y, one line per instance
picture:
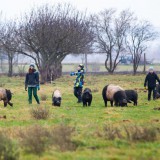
column 7, row 43
column 47, row 34
column 110, row 31
column 137, row 40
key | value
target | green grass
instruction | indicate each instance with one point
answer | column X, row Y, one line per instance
column 89, row 121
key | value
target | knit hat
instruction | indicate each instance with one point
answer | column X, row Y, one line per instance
column 32, row 65
column 81, row 65
column 151, row 68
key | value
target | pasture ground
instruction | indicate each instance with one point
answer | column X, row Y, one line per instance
column 94, row 143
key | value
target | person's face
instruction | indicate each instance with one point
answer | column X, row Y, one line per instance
column 151, row 71
column 79, row 68
column 31, row 67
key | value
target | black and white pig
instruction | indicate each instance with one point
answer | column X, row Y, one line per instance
column 157, row 91
column 114, row 93
column 87, row 97
column 6, row 96
column 56, row 98
column 132, row 95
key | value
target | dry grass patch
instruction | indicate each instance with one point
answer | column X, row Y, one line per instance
column 62, row 138
column 136, row 133
column 131, row 133
column 35, row 139
column 40, row 112
column 43, row 97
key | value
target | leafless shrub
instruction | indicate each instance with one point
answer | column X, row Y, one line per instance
column 35, row 139
column 40, row 113
column 43, row 97
column 8, row 148
column 111, row 132
column 62, row 138
column 141, row 133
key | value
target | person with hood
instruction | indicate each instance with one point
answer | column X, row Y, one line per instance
column 32, row 83
column 150, row 82
column 78, row 85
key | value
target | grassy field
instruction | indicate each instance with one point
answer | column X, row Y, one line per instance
column 100, row 133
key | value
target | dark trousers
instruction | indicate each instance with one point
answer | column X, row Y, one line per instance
column 150, row 92
column 78, row 93
column 34, row 91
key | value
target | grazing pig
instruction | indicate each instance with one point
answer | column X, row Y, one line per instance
column 157, row 90
column 56, row 98
column 115, row 94
column 132, row 96
column 6, row 96
column 87, row 97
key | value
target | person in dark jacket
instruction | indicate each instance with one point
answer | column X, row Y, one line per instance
column 78, row 85
column 150, row 82
column 32, row 83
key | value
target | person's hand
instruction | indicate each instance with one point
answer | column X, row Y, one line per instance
column 25, row 88
column 38, row 87
column 72, row 73
column 145, row 88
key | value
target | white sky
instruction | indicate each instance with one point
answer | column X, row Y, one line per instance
column 144, row 9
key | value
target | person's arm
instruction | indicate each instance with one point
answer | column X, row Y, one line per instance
column 157, row 78
column 73, row 73
column 37, row 80
column 26, row 81
column 145, row 82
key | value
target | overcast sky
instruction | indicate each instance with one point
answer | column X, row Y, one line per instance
column 144, row 9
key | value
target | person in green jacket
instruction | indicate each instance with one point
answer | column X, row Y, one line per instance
column 78, row 85
column 32, row 83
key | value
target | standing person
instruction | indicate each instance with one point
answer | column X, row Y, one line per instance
column 150, row 81
column 78, row 85
column 32, row 82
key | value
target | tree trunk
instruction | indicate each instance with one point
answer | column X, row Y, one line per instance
column 43, row 75
column 10, row 65
column 55, row 71
column 50, row 73
column 134, row 68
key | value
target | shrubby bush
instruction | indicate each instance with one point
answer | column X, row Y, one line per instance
column 8, row 148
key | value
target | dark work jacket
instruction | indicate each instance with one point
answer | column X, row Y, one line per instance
column 150, row 80
column 32, row 79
